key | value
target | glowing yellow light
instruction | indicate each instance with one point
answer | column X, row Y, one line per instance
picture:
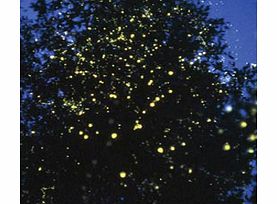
column 138, row 61
column 70, row 129
column 172, row 148
column 183, row 144
column 144, row 112
column 170, row 91
column 52, row 57
column 73, row 107
column 40, row 168
column 243, row 124
column 250, row 151
column 33, row 132
column 160, row 150
column 113, row 96
column 81, row 132
column 157, row 98
column 226, row 146
column 114, row 135
column 86, row 137
column 190, row 170
column 132, row 35
column 90, row 125
column 209, row 120
column 252, row 138
column 150, row 82
column 152, row 104
column 170, row 73
column 137, row 126
column 122, row 174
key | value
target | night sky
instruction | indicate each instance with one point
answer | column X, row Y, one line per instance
column 138, row 102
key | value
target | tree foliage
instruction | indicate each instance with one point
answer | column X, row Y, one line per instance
column 133, row 102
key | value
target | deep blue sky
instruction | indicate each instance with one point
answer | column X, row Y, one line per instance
column 242, row 37
column 242, row 14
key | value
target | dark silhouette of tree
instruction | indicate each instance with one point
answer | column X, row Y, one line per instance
column 133, row 102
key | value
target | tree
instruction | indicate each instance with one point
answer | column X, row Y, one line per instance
column 132, row 102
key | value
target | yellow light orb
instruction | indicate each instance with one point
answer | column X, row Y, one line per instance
column 183, row 144
column 114, row 135
column 160, row 150
column 172, row 148
column 73, row 107
column 226, row 147
column 86, row 137
column 190, row 170
column 250, row 151
column 170, row 73
column 113, row 96
column 152, row 104
column 132, row 35
column 81, row 132
column 252, row 138
column 90, row 125
column 170, row 91
column 122, row 174
column 243, row 124
column 150, row 82
column 157, row 98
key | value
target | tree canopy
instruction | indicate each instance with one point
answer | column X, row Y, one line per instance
column 126, row 101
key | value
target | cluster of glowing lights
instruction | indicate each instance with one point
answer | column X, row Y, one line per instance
column 137, row 126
